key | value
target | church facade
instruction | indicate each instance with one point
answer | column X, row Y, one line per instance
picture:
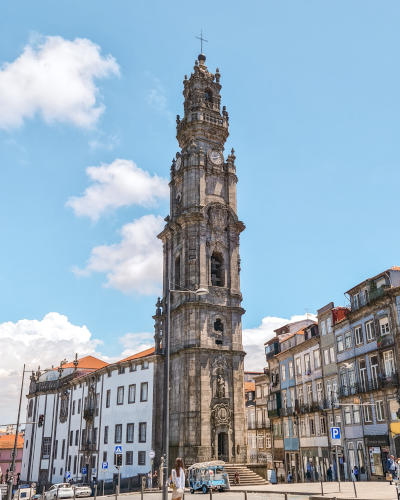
column 201, row 249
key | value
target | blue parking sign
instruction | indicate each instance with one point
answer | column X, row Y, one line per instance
column 67, row 475
column 335, row 433
column 84, row 470
column 104, row 465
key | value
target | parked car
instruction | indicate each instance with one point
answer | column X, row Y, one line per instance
column 82, row 490
column 64, row 491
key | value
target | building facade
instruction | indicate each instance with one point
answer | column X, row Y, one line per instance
column 89, row 407
column 201, row 249
column 7, row 442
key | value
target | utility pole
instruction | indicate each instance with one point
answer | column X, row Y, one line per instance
column 10, row 487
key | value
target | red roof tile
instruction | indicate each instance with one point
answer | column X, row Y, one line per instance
column 147, row 352
column 88, row 362
column 7, row 441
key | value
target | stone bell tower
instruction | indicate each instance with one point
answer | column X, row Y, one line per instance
column 201, row 249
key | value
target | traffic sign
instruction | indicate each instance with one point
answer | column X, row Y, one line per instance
column 33, row 485
column 94, row 470
column 118, row 449
column 152, row 454
column 335, row 435
column 104, row 465
column 67, row 474
column 84, row 470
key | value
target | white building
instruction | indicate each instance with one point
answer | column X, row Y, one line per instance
column 89, row 408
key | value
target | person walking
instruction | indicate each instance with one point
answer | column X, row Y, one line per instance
column 236, row 478
column 392, row 466
column 149, row 480
column 329, row 474
column 177, row 480
column 355, row 472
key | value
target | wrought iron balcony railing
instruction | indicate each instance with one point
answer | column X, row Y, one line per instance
column 273, row 413
column 88, row 414
column 382, row 382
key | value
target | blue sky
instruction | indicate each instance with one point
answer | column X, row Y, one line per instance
column 312, row 92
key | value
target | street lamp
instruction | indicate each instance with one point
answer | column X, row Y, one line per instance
column 199, row 291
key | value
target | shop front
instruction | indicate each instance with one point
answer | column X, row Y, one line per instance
column 315, row 463
column 279, row 464
column 377, row 452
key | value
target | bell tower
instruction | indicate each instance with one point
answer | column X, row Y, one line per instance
column 201, row 249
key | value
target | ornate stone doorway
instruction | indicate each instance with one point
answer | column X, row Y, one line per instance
column 223, row 446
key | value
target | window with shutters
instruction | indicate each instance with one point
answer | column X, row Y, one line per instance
column 358, row 335
column 322, row 425
column 369, row 328
column 384, row 326
column 367, row 413
column 380, row 415
column 290, row 365
column 389, row 363
column 268, row 442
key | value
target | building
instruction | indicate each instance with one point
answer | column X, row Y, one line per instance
column 201, row 249
column 89, row 407
column 262, row 421
column 250, row 406
column 366, row 349
column 7, row 442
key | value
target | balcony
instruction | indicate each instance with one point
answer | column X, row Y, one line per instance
column 51, row 385
column 364, row 299
column 251, row 425
column 273, row 413
column 385, row 341
column 88, row 414
column 311, row 407
column 272, row 352
column 287, row 412
column 383, row 382
column 262, row 425
column 88, row 447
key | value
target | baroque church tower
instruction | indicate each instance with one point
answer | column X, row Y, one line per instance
column 201, row 249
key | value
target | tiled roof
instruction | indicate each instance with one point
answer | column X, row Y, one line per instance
column 7, row 441
column 249, row 386
column 147, row 352
column 299, row 332
column 88, row 362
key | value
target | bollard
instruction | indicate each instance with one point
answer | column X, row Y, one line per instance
column 73, row 489
column 245, row 495
column 95, row 491
column 286, row 496
column 211, row 493
column 44, row 488
column 354, row 484
column 322, row 487
column 141, row 491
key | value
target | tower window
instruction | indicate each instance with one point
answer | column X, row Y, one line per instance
column 218, row 326
column 177, row 272
column 216, row 270
column 208, row 95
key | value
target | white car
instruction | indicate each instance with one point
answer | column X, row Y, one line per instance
column 82, row 490
column 64, row 491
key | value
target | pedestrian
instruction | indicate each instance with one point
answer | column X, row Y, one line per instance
column 177, row 480
column 289, row 477
column 149, row 480
column 355, row 472
column 236, row 478
column 329, row 474
column 392, row 466
column 155, row 479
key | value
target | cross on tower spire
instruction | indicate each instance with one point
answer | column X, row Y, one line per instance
column 201, row 41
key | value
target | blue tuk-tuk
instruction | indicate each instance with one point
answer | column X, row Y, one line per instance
column 208, row 476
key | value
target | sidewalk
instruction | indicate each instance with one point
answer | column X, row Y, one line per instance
column 366, row 490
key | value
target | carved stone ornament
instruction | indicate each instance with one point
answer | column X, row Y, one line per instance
column 221, row 415
column 219, row 217
column 64, row 407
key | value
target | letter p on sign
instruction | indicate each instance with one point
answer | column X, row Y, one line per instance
column 335, row 434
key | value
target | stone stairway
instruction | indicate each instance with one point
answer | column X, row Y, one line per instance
column 247, row 476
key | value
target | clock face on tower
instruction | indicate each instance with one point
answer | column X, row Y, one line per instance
column 178, row 163
column 215, row 157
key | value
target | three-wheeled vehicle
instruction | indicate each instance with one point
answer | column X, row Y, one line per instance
column 208, row 475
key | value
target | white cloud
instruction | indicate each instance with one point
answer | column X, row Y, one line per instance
column 254, row 338
column 55, row 79
column 134, row 264
column 107, row 143
column 157, row 99
column 136, row 342
column 121, row 183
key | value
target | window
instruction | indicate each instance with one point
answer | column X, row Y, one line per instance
column 384, row 325
column 69, row 462
column 260, row 442
column 352, row 377
column 290, row 365
column 63, row 449
column 120, row 396
column 380, row 415
column 356, row 414
column 265, row 391
column 363, row 374
column 142, row 432
column 329, row 325
column 75, row 464
column 109, row 373
column 358, row 335
column 326, row 357
column 347, row 416
column 374, row 371
column 347, row 340
column 177, row 277
column 307, row 364
column 79, row 406
column 89, row 434
column 97, row 404
column 129, row 458
column 71, row 438
column 76, row 438
column 95, row 436
column 294, row 428
column 319, row 391
column 258, row 391
column 216, row 270
column 303, row 428
column 339, row 342
column 93, row 461
column 208, row 95
column 132, row 393
column 143, row 391
column 83, row 436
column 129, row 433
column 55, row 449
column 332, row 354
column 283, row 372
column 105, row 435
column 46, row 447
column 292, row 398
column 312, row 426
column 298, row 366
column 253, row 441
column 356, row 301
column 118, row 433
column 284, row 394
column 309, row 394
column 268, row 442
column 322, row 425
column 30, row 408
column 300, row 395
column 323, row 328
column 108, row 398
column 329, row 390
column 317, row 359
column 287, row 429
column 334, row 389
column 389, row 363
column 369, row 328
column 104, row 456
column 141, row 458
column 367, row 413
column 61, row 471
column 218, row 326
column 73, row 407
column 132, row 368
column 121, row 370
